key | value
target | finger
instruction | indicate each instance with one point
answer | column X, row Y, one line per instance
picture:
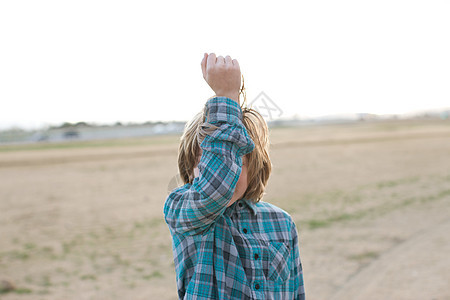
column 203, row 64
column 235, row 63
column 211, row 61
column 220, row 60
column 228, row 60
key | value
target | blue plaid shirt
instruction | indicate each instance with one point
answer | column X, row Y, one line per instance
column 244, row 251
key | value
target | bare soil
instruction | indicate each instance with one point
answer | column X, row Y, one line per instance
column 371, row 202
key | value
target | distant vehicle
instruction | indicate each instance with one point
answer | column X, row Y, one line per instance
column 71, row 134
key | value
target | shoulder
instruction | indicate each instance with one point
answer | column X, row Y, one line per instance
column 272, row 210
column 273, row 217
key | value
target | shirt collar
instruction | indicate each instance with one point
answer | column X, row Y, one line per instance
column 240, row 204
column 250, row 204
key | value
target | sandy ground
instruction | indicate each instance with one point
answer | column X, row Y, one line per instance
column 371, row 202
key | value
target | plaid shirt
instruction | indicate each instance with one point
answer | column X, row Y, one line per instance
column 245, row 251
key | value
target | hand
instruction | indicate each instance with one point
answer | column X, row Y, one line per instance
column 223, row 75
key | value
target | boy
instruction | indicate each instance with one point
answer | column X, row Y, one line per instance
column 226, row 243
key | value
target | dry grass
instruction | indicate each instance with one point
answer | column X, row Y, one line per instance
column 84, row 220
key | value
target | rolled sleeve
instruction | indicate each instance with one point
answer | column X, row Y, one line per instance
column 223, row 110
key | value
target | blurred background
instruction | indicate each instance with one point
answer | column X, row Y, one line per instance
column 94, row 96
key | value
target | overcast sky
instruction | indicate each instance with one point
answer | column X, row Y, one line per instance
column 108, row 61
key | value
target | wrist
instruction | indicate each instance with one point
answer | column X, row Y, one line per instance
column 232, row 96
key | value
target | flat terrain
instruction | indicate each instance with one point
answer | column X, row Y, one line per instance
column 371, row 202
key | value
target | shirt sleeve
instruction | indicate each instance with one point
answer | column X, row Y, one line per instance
column 297, row 270
column 193, row 208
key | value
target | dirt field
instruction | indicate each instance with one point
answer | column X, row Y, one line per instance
column 371, row 201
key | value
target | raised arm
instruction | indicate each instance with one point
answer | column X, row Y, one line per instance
column 193, row 208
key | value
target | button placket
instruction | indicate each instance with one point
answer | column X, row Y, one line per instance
column 241, row 216
column 255, row 250
column 257, row 264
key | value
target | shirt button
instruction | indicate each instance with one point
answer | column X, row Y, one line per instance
column 256, row 256
column 244, row 230
column 240, row 204
column 257, row 286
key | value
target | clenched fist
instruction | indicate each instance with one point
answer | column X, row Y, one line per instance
column 223, row 75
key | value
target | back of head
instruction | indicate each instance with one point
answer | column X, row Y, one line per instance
column 259, row 164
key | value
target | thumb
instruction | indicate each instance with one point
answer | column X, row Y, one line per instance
column 203, row 64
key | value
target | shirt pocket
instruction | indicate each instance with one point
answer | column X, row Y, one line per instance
column 279, row 267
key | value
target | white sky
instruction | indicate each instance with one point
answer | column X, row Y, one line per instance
column 108, row 61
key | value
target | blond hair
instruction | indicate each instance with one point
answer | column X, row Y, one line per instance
column 259, row 164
